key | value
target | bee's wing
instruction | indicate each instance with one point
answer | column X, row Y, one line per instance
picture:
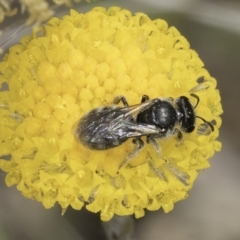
column 103, row 118
column 131, row 128
column 137, row 130
column 130, row 112
column 136, row 109
column 94, row 119
column 114, row 121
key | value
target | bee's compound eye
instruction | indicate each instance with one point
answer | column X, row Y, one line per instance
column 189, row 129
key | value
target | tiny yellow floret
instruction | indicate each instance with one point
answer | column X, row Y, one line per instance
column 82, row 61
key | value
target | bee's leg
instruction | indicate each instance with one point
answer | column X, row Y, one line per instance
column 156, row 170
column 139, row 142
column 144, row 98
column 122, row 99
column 17, row 116
column 179, row 134
column 202, row 85
column 182, row 176
column 152, row 166
column 156, row 146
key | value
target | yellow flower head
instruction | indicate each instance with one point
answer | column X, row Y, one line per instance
column 81, row 62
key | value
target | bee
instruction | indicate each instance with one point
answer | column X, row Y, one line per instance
column 108, row 127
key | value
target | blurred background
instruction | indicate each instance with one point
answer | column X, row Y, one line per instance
column 212, row 210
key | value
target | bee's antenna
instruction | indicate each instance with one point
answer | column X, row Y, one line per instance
column 196, row 97
column 208, row 123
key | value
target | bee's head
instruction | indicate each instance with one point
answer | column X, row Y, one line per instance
column 186, row 114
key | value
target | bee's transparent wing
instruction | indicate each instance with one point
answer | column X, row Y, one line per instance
column 138, row 130
column 131, row 112
column 132, row 128
column 113, row 123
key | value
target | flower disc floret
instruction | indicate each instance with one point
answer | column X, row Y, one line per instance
column 82, row 61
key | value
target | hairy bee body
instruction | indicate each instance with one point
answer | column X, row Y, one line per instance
column 108, row 127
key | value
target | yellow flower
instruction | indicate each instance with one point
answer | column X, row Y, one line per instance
column 84, row 61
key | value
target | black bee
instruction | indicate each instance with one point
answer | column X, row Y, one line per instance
column 108, row 127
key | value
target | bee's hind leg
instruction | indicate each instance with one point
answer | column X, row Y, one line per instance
column 139, row 145
column 182, row 176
